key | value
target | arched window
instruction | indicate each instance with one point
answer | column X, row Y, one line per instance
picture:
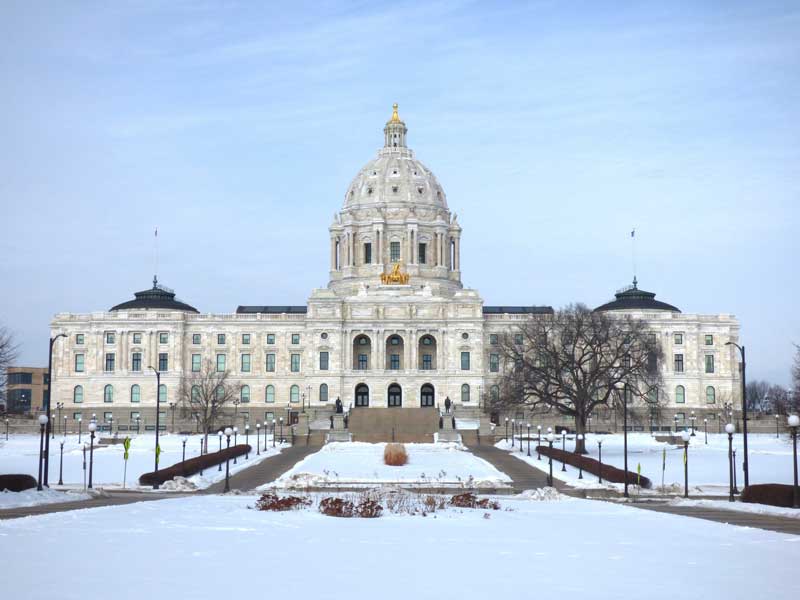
column 323, row 392
column 195, row 393
column 136, row 394
column 711, row 395
column 680, row 395
column 108, row 393
column 244, row 395
column 465, row 393
column 294, row 394
column 77, row 394
column 269, row 395
column 162, row 393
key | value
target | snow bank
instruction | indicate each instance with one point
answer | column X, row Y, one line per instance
column 34, row 498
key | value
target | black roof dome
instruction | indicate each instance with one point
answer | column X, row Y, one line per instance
column 157, row 297
column 632, row 298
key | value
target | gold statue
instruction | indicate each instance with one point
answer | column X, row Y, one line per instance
column 395, row 277
column 395, row 116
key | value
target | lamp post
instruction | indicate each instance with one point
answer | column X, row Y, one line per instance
column 138, row 425
column 676, row 423
column 745, row 465
column 6, row 429
column 184, row 440
column 42, row 425
column 80, row 423
column 228, row 432
column 92, row 428
column 219, row 436
column 529, row 439
column 235, row 440
column 692, row 417
column 777, row 432
column 65, row 426
column 59, row 406
column 550, row 438
column 493, row 438
column 729, row 429
column 505, row 439
column 247, row 440
column 258, row 439
column 600, row 460
column 513, row 433
column 111, row 424
column 172, row 411
column 625, row 433
column 47, row 406
column 563, row 449
column 579, row 439
column 538, row 442
column 61, row 466
column 158, row 415
column 519, row 429
column 794, row 422
column 705, row 427
column 273, row 431
column 686, row 436
column 735, row 487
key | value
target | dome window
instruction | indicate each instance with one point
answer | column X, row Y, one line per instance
column 394, row 189
column 369, row 190
column 394, row 172
column 420, row 189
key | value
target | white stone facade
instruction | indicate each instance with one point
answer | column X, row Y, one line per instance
column 395, row 213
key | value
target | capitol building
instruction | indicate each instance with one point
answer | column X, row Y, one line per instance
column 394, row 327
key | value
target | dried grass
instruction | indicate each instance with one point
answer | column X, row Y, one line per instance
column 395, row 455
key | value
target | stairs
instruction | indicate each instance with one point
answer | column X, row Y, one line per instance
column 393, row 424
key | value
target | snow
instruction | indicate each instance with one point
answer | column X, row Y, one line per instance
column 569, row 548
column 21, row 452
column 770, row 460
column 33, row 497
column 343, row 463
column 747, row 507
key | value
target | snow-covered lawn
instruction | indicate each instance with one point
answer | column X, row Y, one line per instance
column 770, row 460
column 343, row 463
column 759, row 509
column 21, row 452
column 34, row 497
column 210, row 547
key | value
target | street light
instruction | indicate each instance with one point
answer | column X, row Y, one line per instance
column 80, row 423
column 519, row 429
column 61, row 466
column 47, row 407
column 777, row 431
column 172, row 411
column 705, row 426
column 794, row 422
column 65, row 425
column 600, row 460
column 550, row 438
column 228, row 432
column 529, row 439
column 59, row 406
column 273, row 436
column 92, row 429
column 6, row 429
column 538, row 442
column 579, row 439
column 676, row 423
column 729, row 429
column 505, row 439
column 513, row 433
column 745, row 465
column 258, row 439
column 735, row 487
column 235, row 440
column 564, row 449
column 184, row 440
column 686, row 437
column 42, row 424
column 273, row 431
column 692, row 417
column 247, row 441
column 158, row 416
column 111, row 424
column 219, row 435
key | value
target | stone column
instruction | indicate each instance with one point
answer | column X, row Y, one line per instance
column 333, row 253
column 457, row 266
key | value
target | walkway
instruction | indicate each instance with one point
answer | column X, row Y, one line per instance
column 114, row 499
column 265, row 471
column 730, row 517
column 523, row 476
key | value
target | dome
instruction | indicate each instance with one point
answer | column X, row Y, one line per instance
column 632, row 298
column 157, row 297
column 395, row 176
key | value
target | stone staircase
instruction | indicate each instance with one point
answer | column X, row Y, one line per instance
column 393, row 424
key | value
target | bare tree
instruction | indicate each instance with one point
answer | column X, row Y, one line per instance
column 575, row 361
column 8, row 354
column 757, row 395
column 206, row 395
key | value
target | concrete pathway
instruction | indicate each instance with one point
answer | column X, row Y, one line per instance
column 523, row 476
column 265, row 471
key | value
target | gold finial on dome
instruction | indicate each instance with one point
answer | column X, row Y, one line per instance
column 395, row 117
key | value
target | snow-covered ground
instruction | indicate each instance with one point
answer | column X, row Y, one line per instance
column 342, row 463
column 34, row 497
column 21, row 452
column 210, row 547
column 770, row 460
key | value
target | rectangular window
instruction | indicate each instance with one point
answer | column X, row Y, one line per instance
column 323, row 361
column 678, row 339
column 79, row 363
column 269, row 417
column 367, row 253
column 493, row 339
column 245, row 363
column 110, row 337
column 394, row 362
column 109, row 362
column 709, row 363
column 270, row 338
column 295, row 363
column 295, row 338
column 136, row 361
column 494, row 363
column 652, row 362
column 679, row 363
column 220, row 339
column 709, row 340
column 196, row 339
column 136, row 415
column 362, row 362
column 163, row 337
column 108, row 416
column 220, row 363
column 271, row 363
column 427, row 362
column 465, row 361
column 245, row 339
column 394, row 252
column 77, row 416
column 137, row 338
column 79, row 339
column 195, row 363
column 518, row 338
column 163, row 362
column 422, row 257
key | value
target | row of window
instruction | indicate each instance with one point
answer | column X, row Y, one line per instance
column 163, row 338
column 678, row 363
column 677, row 339
column 680, row 395
column 108, row 394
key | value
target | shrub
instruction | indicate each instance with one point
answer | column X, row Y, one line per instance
column 468, row 500
column 590, row 465
column 395, row 455
column 17, row 483
column 369, row 509
column 194, row 465
column 336, row 507
column 774, row 494
column 272, row 502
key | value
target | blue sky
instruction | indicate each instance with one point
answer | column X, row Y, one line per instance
column 554, row 127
